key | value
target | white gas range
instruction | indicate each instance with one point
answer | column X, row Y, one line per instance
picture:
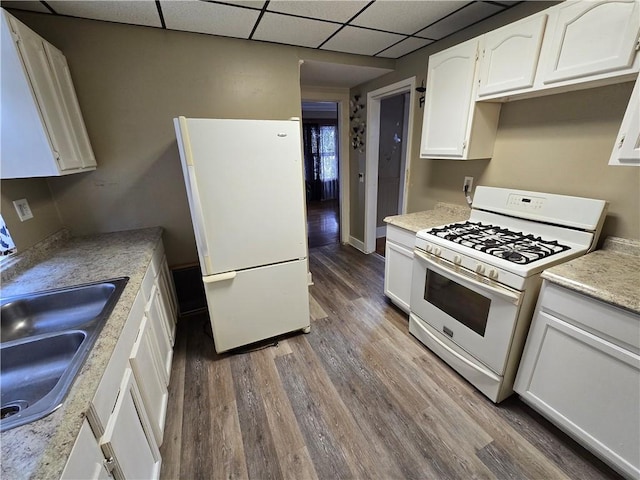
column 475, row 283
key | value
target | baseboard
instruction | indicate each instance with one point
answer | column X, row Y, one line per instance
column 355, row 243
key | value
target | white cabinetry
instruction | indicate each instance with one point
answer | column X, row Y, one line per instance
column 86, row 461
column 626, row 151
column 510, row 56
column 454, row 126
column 43, row 132
column 398, row 265
column 591, row 38
column 581, row 369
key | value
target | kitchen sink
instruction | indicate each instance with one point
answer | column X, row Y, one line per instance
column 45, row 338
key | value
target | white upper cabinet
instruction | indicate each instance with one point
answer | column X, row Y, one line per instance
column 43, row 132
column 591, row 38
column 452, row 128
column 510, row 56
column 626, row 151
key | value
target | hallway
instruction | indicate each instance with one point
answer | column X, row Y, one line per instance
column 323, row 223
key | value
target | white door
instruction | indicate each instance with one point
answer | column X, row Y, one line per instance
column 448, row 100
column 150, row 380
column 248, row 176
column 593, row 38
column 510, row 56
column 128, row 438
column 258, row 303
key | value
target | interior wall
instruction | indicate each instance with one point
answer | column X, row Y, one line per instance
column 131, row 82
column 557, row 144
column 46, row 220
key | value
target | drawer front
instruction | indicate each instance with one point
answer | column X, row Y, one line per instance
column 401, row 236
column 614, row 324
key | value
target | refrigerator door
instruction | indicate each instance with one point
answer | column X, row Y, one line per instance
column 257, row 303
column 244, row 179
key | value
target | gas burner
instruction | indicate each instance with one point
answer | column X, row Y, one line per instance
column 516, row 247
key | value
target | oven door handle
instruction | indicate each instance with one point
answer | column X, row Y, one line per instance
column 509, row 295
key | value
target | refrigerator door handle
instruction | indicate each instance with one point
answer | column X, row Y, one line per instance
column 219, row 277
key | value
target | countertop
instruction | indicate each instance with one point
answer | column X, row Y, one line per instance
column 442, row 214
column 40, row 449
column 611, row 274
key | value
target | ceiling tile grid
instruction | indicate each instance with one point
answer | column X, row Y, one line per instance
column 383, row 28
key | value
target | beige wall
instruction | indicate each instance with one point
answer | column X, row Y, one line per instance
column 557, row 144
column 46, row 219
column 131, row 81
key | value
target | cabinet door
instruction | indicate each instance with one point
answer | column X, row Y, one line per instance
column 587, row 386
column 167, row 295
column 450, row 81
column 53, row 111
column 128, row 438
column 398, row 267
column 626, row 151
column 151, row 382
column 86, row 461
column 510, row 56
column 155, row 313
column 592, row 38
column 70, row 101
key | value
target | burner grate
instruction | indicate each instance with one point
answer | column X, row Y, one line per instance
column 516, row 247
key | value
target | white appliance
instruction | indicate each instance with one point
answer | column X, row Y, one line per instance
column 245, row 189
column 475, row 283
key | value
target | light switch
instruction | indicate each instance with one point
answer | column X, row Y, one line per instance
column 22, row 207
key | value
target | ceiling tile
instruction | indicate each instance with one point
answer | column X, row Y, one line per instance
column 405, row 16
column 247, row 3
column 212, row 18
column 25, row 5
column 404, row 47
column 361, row 41
column 461, row 19
column 337, row 11
column 134, row 12
column 293, row 30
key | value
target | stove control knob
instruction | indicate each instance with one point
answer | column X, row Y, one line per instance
column 480, row 268
column 493, row 273
column 457, row 259
column 437, row 251
column 428, row 248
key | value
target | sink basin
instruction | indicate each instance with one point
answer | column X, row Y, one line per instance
column 45, row 339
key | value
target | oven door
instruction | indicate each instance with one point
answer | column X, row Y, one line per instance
column 479, row 317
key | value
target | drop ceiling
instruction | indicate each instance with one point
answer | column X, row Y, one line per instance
column 380, row 28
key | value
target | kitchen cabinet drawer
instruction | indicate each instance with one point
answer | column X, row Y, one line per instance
column 581, row 369
column 43, row 132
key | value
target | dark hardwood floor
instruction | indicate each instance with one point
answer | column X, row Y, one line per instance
column 323, row 223
column 356, row 398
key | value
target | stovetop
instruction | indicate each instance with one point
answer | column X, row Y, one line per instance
column 513, row 246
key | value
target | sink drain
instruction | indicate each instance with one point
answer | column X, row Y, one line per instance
column 12, row 408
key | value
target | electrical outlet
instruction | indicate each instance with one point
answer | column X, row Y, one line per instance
column 22, row 207
column 468, row 184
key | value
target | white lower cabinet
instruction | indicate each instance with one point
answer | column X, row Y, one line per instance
column 398, row 265
column 86, row 461
column 127, row 414
column 581, row 369
column 128, row 439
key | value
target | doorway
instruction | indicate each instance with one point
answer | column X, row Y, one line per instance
column 389, row 130
column 321, row 171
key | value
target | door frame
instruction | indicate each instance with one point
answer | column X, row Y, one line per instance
column 341, row 97
column 372, row 154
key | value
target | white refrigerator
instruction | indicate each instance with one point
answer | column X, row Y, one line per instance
column 244, row 181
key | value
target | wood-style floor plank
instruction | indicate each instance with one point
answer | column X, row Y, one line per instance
column 357, row 398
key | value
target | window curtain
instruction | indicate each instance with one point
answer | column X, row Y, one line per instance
column 320, row 161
